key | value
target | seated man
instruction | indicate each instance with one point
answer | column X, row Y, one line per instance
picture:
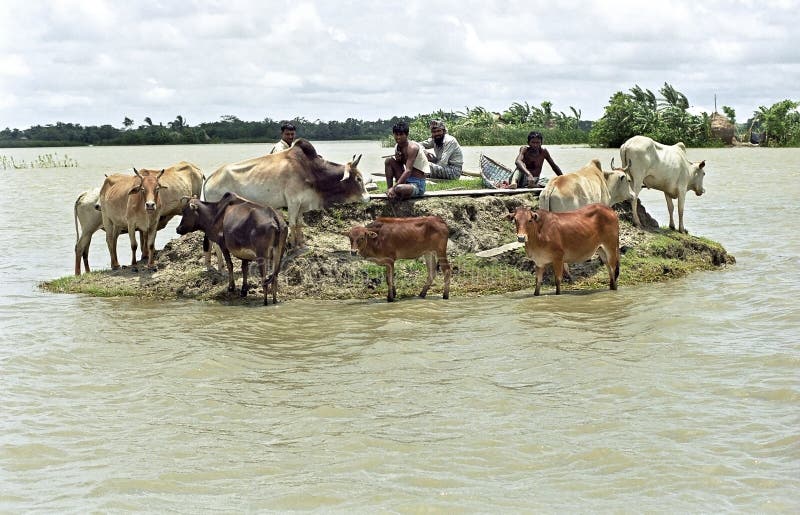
column 530, row 161
column 288, row 132
column 447, row 158
column 408, row 166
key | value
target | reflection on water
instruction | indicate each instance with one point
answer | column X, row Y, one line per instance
column 668, row 397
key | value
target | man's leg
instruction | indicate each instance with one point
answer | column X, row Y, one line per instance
column 444, row 172
column 392, row 169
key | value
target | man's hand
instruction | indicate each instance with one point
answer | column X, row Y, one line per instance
column 431, row 157
column 390, row 193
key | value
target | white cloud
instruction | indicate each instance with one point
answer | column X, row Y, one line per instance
column 331, row 60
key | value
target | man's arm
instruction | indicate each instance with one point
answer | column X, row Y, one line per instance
column 520, row 162
column 553, row 164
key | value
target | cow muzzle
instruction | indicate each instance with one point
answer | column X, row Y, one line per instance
column 521, row 238
column 150, row 206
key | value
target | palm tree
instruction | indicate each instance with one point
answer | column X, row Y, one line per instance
column 127, row 123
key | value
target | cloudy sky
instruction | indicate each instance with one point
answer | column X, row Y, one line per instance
column 95, row 62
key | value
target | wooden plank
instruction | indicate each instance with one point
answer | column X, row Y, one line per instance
column 514, row 245
column 464, row 193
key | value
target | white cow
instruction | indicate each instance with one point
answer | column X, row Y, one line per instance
column 589, row 185
column 90, row 221
column 664, row 168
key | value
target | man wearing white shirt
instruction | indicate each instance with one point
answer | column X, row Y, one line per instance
column 447, row 159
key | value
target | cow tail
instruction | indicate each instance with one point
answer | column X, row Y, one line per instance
column 623, row 154
column 75, row 216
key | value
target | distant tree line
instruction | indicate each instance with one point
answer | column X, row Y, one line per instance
column 665, row 118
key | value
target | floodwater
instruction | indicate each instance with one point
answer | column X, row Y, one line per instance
column 676, row 397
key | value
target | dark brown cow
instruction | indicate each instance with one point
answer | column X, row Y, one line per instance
column 247, row 230
column 297, row 179
column 570, row 237
column 132, row 203
column 387, row 239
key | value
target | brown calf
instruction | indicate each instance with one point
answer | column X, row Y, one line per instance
column 570, row 237
column 387, row 239
column 247, row 230
column 132, row 203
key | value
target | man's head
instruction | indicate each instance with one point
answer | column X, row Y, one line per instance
column 400, row 132
column 288, row 132
column 535, row 139
column 438, row 130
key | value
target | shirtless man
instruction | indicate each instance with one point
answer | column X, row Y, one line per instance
column 530, row 161
column 408, row 166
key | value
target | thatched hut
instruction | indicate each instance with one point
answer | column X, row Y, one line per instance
column 722, row 128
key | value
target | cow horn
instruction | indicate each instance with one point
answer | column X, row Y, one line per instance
column 356, row 160
column 612, row 163
column 135, row 171
column 346, row 173
column 160, row 174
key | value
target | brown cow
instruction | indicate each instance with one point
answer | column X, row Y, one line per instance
column 388, row 239
column 571, row 237
column 132, row 203
column 179, row 180
column 249, row 231
column 297, row 179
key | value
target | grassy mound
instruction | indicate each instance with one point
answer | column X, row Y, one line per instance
column 327, row 271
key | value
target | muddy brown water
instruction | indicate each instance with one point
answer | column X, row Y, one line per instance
column 672, row 397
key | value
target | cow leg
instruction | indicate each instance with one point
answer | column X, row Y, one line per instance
column 229, row 262
column 262, row 269
column 245, row 266
column 637, row 188
column 566, row 273
column 447, row 272
column 539, row 277
column 681, row 202
column 430, row 264
column 134, row 246
column 670, row 209
column 558, row 270
column 606, row 260
column 391, row 293
column 112, row 233
column 151, row 249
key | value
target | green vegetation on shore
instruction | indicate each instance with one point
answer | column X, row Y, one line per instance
column 665, row 118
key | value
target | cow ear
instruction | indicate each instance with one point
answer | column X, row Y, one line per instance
column 134, row 190
column 508, row 216
column 345, row 233
column 184, row 201
column 372, row 234
column 535, row 216
column 702, row 163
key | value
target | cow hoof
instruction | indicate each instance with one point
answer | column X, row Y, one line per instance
column 445, row 296
column 389, row 299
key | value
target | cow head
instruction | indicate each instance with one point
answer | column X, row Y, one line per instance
column 697, row 172
column 619, row 186
column 190, row 215
column 524, row 218
column 360, row 238
column 350, row 188
column 148, row 187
